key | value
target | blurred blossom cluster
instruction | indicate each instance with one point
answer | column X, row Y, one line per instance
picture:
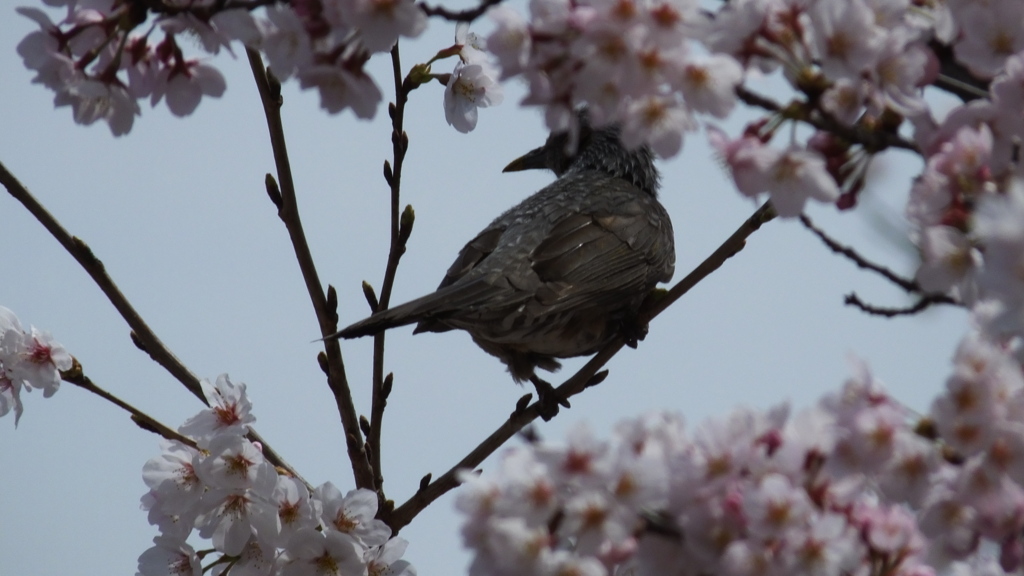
column 966, row 208
column 846, row 487
column 105, row 56
column 261, row 522
column 29, row 359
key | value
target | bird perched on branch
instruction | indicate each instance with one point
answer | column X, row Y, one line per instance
column 562, row 273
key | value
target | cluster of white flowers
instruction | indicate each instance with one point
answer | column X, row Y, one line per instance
column 844, row 487
column 29, row 359
column 263, row 523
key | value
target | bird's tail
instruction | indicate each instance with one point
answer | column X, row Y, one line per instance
column 436, row 306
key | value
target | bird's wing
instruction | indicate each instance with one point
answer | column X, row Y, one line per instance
column 469, row 257
column 472, row 253
column 597, row 257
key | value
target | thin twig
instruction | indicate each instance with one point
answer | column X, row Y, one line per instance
column 327, row 317
column 872, row 140
column 399, row 144
column 908, row 285
column 579, row 381
column 76, row 376
column 924, row 303
column 142, row 334
column 467, row 15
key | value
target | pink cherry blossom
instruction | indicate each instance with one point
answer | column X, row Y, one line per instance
column 796, row 176
column 990, row 33
column 340, row 89
column 381, row 22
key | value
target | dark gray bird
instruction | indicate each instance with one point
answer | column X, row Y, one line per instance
column 561, row 273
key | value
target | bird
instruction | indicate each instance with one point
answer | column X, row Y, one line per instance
column 562, row 273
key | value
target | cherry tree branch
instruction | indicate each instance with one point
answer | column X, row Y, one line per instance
column 467, row 15
column 921, row 305
column 401, row 227
column 587, row 376
column 908, row 285
column 325, row 306
column 142, row 335
column 76, row 376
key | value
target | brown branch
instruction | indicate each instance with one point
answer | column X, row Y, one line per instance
column 908, row 285
column 398, row 237
column 142, row 335
column 579, row 381
column 326, row 314
column 467, row 15
column 921, row 305
column 76, row 376
column 871, row 140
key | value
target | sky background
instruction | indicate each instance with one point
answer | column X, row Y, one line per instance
column 177, row 212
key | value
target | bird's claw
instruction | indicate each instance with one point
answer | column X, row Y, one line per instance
column 633, row 332
column 548, row 399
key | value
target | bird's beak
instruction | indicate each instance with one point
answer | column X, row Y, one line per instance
column 531, row 160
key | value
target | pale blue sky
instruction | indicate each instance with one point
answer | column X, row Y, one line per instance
column 178, row 213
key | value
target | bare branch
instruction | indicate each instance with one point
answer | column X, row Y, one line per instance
column 326, row 315
column 144, row 336
column 923, row 304
column 908, row 285
column 467, row 15
column 393, row 175
column 76, row 376
column 586, row 376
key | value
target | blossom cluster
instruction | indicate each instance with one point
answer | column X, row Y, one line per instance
column 105, row 56
column 29, row 359
column 847, row 486
column 653, row 65
column 262, row 522
column 967, row 207
column 629, row 61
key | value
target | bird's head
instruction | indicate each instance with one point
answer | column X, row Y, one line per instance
column 596, row 149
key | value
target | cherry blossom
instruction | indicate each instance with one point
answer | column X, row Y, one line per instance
column 230, row 412
column 327, row 553
column 169, row 556
column 381, row 22
column 471, row 86
column 352, row 514
column 990, row 33
column 29, row 360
